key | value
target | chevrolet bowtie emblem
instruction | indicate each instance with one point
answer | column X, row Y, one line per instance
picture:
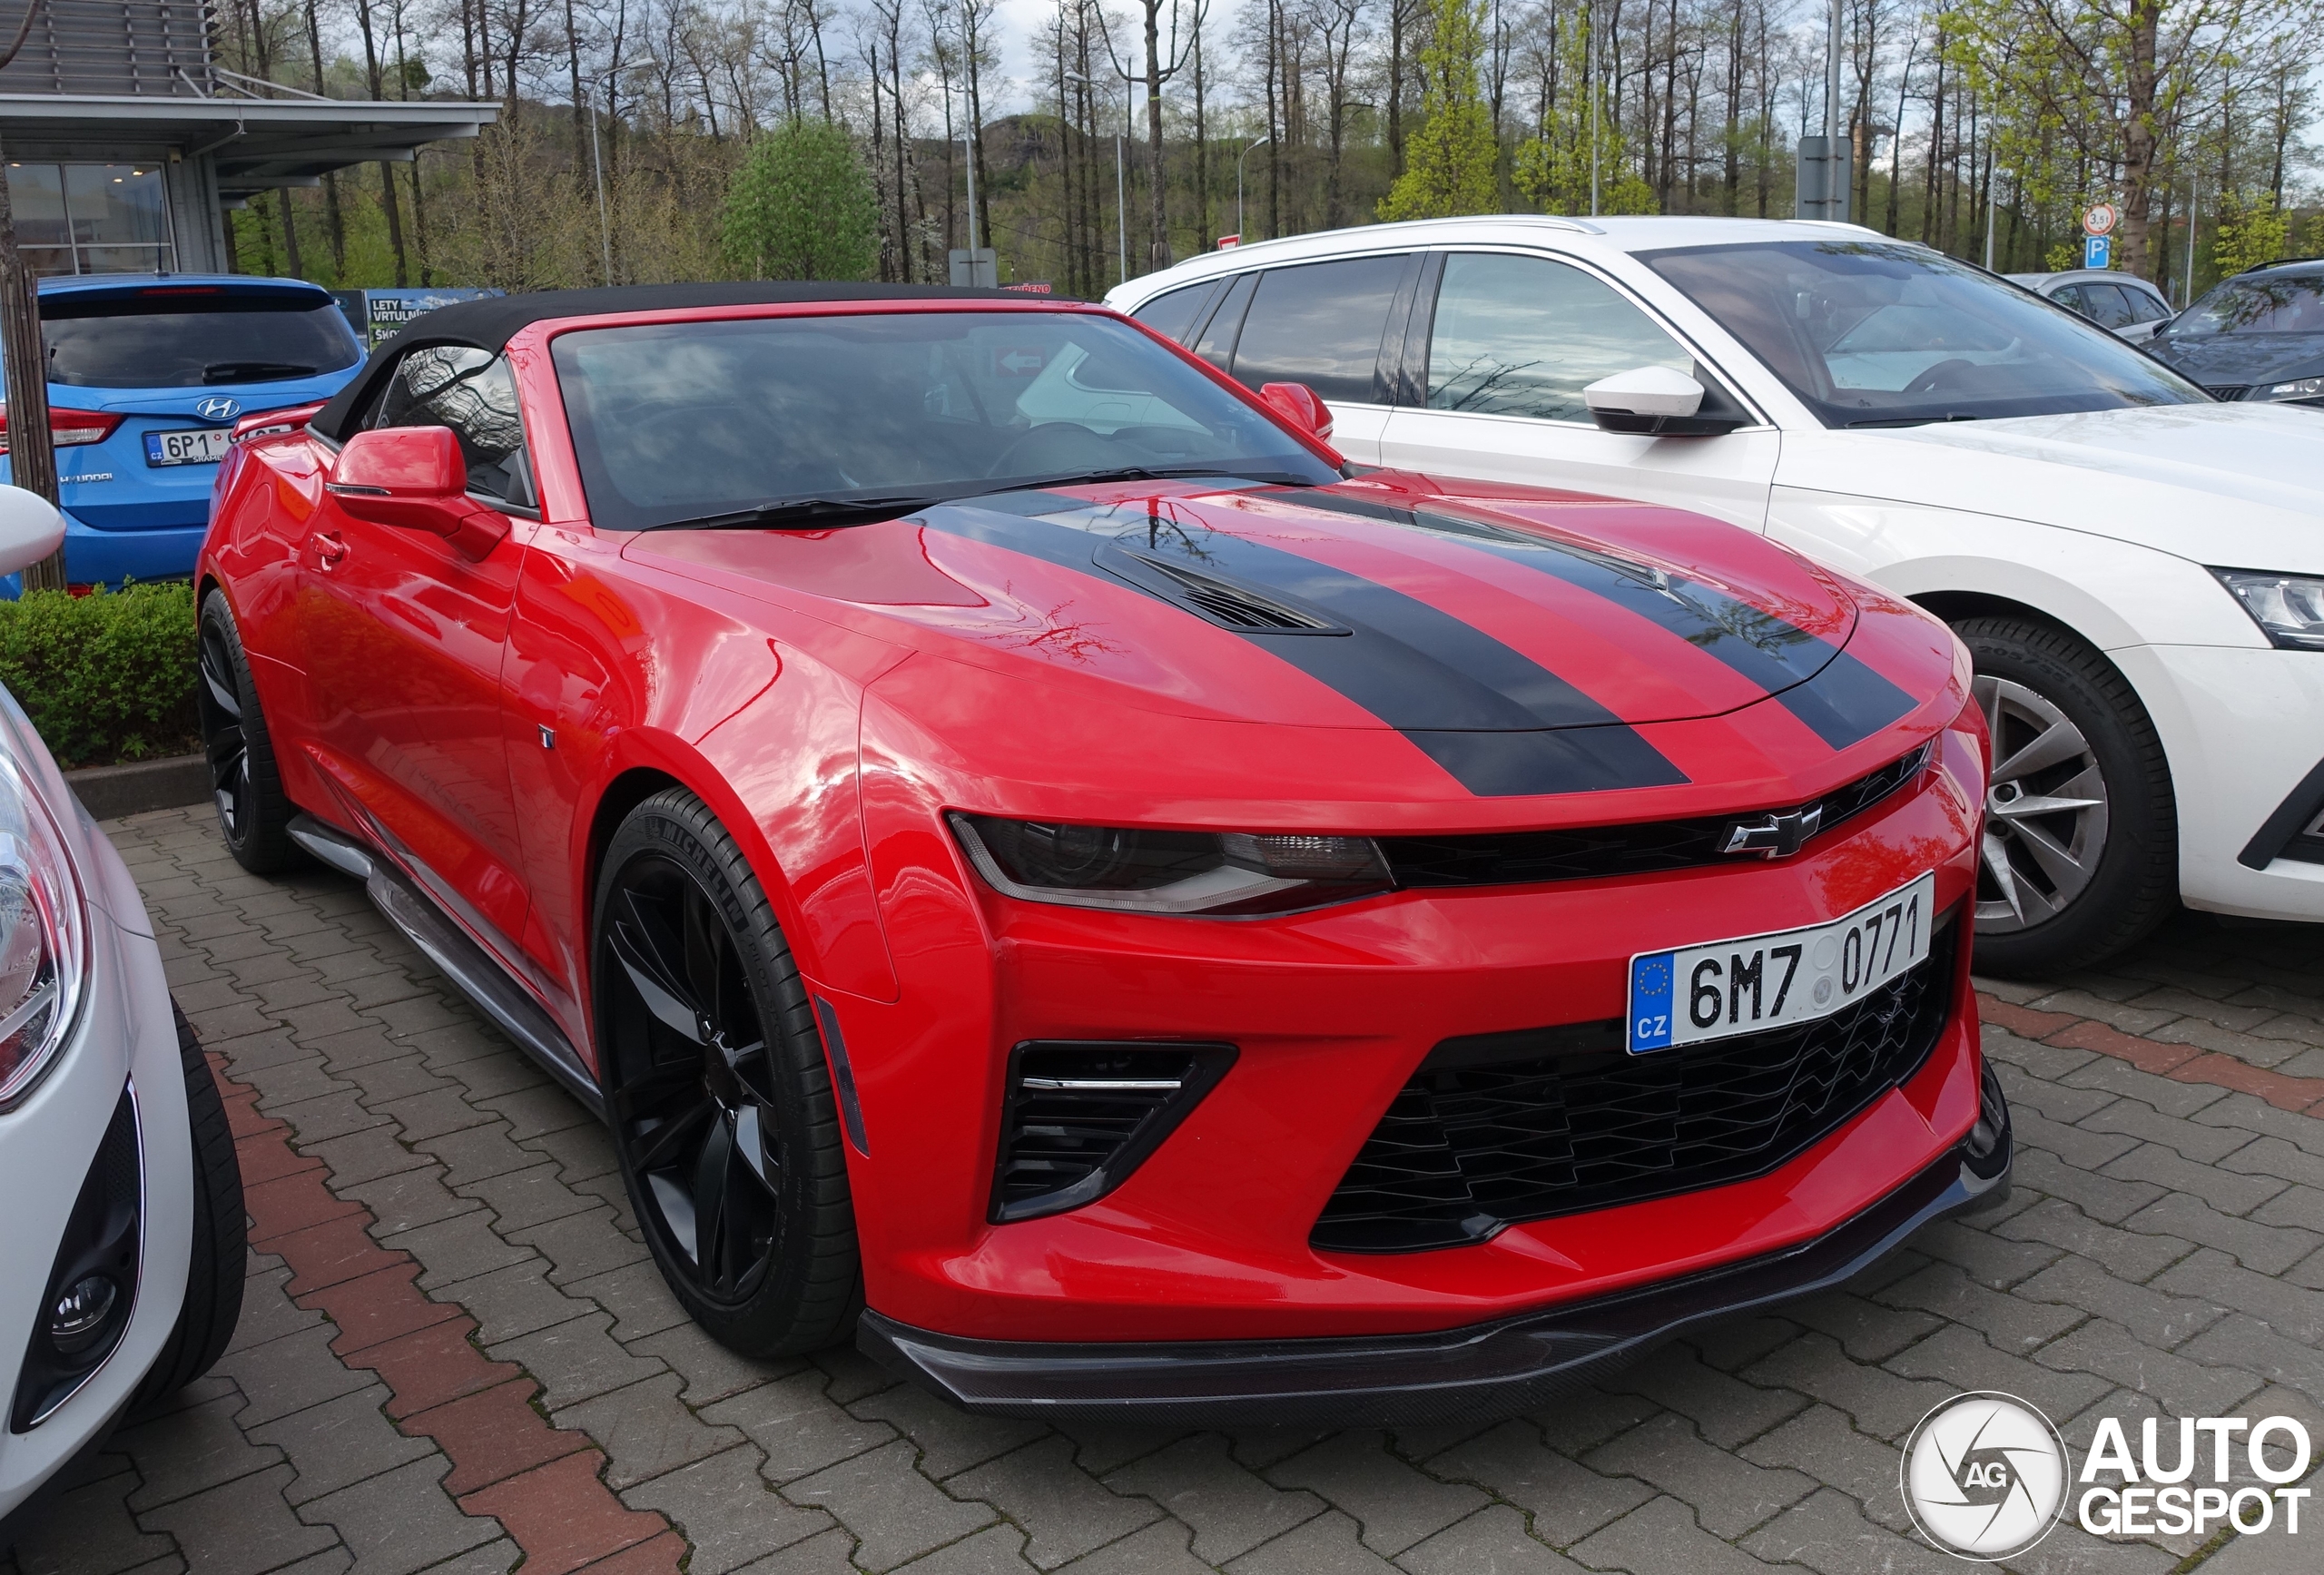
column 1774, row 836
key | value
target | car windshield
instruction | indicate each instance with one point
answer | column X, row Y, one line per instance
column 1873, row 333
column 192, row 336
column 2281, row 305
column 692, row 422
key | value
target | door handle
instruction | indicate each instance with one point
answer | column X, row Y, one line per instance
column 327, row 548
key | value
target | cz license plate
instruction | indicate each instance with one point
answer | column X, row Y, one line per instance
column 1727, row 988
column 189, row 445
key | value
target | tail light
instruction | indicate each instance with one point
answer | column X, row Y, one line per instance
column 69, row 428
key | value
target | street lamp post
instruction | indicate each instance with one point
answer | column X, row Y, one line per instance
column 968, row 151
column 1240, row 234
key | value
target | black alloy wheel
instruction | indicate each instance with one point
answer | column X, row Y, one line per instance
column 244, row 783
column 2080, row 857
column 715, row 1082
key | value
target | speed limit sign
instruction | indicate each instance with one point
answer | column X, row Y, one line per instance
column 2100, row 219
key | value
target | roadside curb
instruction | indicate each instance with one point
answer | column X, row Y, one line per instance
column 110, row 792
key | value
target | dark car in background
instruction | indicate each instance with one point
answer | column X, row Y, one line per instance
column 2258, row 337
column 147, row 375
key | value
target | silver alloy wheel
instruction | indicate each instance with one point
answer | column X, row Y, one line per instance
column 2045, row 809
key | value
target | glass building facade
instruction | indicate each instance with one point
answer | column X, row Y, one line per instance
column 92, row 218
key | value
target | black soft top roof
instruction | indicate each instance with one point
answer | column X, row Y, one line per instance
column 490, row 322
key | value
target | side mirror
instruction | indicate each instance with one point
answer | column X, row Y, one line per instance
column 1301, row 406
column 414, row 478
column 30, row 529
column 1656, row 402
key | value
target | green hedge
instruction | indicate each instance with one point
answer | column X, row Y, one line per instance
column 108, row 676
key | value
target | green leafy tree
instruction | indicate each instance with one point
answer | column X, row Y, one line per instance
column 802, row 206
column 1555, row 168
column 2074, row 85
column 2252, row 231
column 1450, row 160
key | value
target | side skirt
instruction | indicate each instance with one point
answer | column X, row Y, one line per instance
column 480, row 977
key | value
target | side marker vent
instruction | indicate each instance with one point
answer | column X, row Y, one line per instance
column 1082, row 1115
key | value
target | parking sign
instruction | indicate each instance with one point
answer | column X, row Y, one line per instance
column 2098, row 251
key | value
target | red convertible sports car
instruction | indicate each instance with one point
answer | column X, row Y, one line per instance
column 1044, row 870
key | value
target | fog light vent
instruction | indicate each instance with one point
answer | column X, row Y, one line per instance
column 1081, row 1115
column 93, row 1285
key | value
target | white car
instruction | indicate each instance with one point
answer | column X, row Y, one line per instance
column 2123, row 304
column 121, row 1202
column 2137, row 570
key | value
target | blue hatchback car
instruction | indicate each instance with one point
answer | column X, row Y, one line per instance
column 147, row 375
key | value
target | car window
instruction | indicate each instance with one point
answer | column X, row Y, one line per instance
column 472, row 392
column 1523, row 336
column 679, row 421
column 1320, row 324
column 1217, row 345
column 1879, row 333
column 2292, row 304
column 2109, row 305
column 2145, row 306
column 1173, row 311
column 192, row 336
column 2070, row 296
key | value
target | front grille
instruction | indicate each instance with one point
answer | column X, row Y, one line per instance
column 1082, row 1115
column 1499, row 1128
column 1518, row 858
column 2227, row 390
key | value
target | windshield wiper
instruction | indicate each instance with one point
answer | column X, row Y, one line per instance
column 1919, row 420
column 817, row 513
column 254, row 371
column 1146, row 473
column 804, row 512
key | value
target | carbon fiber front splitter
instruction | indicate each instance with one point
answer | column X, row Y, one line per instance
column 1485, row 1371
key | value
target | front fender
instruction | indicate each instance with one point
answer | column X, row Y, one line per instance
column 2112, row 593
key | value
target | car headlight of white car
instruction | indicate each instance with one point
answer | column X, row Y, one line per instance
column 2289, row 607
column 44, row 936
column 2297, row 389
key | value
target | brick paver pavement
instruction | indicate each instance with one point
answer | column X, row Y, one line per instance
column 455, row 1355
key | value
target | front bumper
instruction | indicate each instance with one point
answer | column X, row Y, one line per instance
column 2245, row 729
column 1482, row 1372
column 126, row 1037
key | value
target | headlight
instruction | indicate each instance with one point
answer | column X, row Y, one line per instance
column 1220, row 874
column 2290, row 607
column 2297, row 389
column 44, row 937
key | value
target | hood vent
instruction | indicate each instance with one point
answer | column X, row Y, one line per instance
column 1221, row 601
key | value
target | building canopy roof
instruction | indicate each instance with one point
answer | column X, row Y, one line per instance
column 257, row 142
column 103, row 75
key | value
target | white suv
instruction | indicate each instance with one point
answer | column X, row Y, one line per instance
column 2138, row 571
column 121, row 1202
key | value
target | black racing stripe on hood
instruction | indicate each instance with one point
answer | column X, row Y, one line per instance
column 1497, row 722
column 1846, row 702
column 1776, row 654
